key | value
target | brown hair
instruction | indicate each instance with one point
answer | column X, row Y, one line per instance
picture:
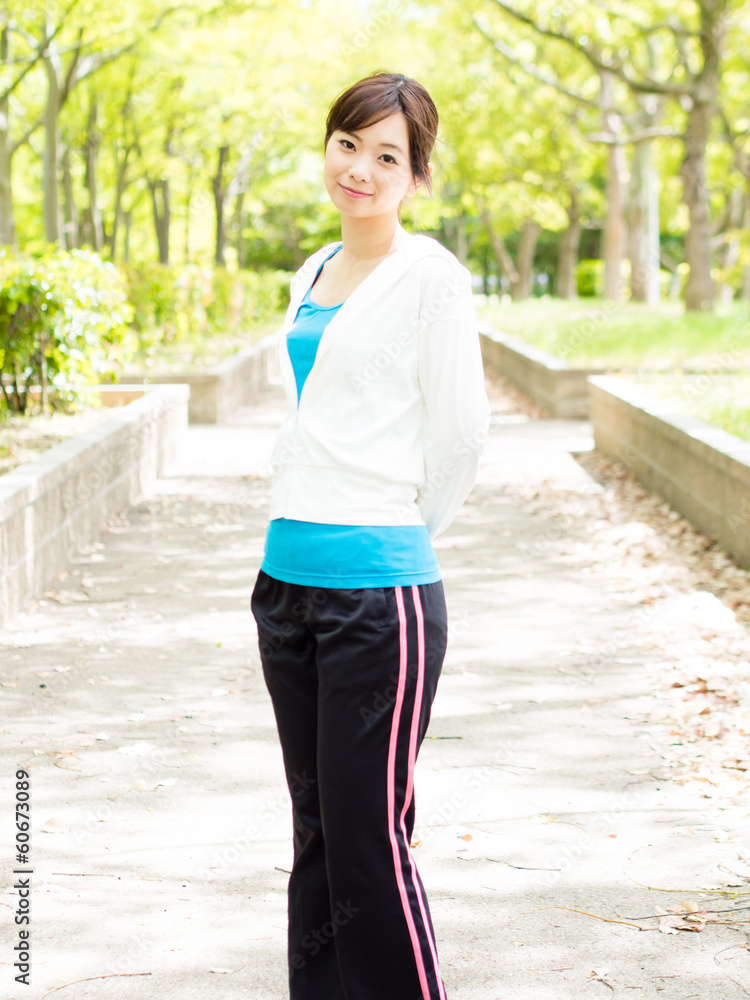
column 382, row 94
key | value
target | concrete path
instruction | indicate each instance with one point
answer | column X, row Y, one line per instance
column 161, row 824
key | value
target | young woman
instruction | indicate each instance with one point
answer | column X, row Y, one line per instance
column 387, row 416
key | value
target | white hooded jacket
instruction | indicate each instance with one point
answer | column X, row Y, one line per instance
column 394, row 414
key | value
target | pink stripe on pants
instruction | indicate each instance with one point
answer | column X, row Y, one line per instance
column 391, row 791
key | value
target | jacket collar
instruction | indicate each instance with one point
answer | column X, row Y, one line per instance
column 384, row 275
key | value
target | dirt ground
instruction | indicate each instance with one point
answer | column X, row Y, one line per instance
column 582, row 793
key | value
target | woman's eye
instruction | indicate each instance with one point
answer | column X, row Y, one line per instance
column 348, row 144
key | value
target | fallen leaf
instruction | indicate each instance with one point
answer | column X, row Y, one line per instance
column 55, row 826
column 667, row 925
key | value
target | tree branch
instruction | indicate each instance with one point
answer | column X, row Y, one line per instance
column 26, row 136
column 498, row 245
column 532, row 70
column 69, row 75
column 675, row 26
column 40, row 50
column 741, row 157
column 653, row 132
column 645, row 84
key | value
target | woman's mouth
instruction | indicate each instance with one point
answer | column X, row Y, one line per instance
column 355, row 194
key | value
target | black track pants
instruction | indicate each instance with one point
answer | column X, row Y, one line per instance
column 352, row 675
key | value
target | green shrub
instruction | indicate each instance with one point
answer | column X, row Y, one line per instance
column 71, row 318
column 174, row 303
column 590, row 277
column 63, row 324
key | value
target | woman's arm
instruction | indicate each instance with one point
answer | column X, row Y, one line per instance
column 451, row 376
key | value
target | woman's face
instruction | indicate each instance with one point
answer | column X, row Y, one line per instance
column 368, row 172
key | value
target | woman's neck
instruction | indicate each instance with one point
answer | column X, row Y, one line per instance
column 366, row 239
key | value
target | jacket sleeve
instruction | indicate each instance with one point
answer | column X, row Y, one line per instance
column 451, row 376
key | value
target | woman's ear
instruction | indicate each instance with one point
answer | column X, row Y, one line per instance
column 418, row 182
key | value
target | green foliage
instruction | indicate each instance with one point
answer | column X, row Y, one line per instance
column 246, row 298
column 63, row 324
column 174, row 304
column 590, row 277
column 68, row 319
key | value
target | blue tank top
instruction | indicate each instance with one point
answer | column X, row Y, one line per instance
column 341, row 555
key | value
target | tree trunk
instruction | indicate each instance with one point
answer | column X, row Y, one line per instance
column 127, row 218
column 638, row 221
column 237, row 217
column 504, row 259
column 567, row 252
column 645, row 242
column 122, row 167
column 219, row 196
column 299, row 254
column 7, row 223
column 729, row 254
column 653, row 291
column 521, row 289
column 92, row 218
column 188, row 208
column 71, row 235
column 486, row 271
column 699, row 290
column 160, row 193
column 43, row 345
column 51, row 112
column 462, row 243
column 614, row 225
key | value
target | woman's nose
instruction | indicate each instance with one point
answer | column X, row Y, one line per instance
column 360, row 169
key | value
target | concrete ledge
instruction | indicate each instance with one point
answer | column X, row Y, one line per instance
column 547, row 380
column 701, row 470
column 218, row 392
column 56, row 504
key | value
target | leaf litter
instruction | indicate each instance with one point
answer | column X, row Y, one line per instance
column 691, row 610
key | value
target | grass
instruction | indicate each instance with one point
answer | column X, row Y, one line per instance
column 598, row 333
column 720, row 400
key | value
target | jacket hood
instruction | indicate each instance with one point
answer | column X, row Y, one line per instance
column 375, row 284
column 365, row 295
